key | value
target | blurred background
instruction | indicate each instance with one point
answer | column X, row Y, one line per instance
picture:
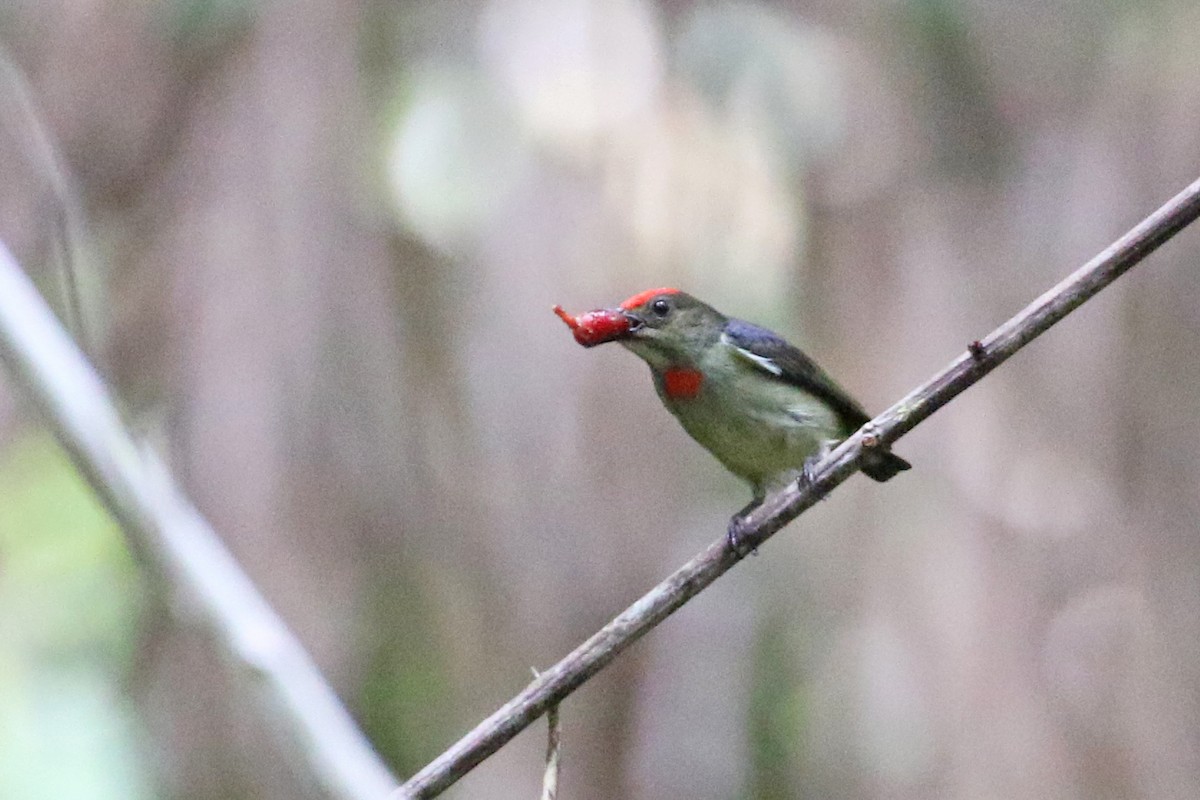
column 319, row 246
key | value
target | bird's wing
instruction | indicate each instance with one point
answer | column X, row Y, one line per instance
column 774, row 356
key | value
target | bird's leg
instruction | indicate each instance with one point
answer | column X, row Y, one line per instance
column 737, row 524
column 807, row 474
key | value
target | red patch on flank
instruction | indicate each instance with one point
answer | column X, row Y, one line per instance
column 595, row 327
column 682, row 383
column 641, row 298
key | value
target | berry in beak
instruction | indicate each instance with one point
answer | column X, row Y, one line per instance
column 597, row 327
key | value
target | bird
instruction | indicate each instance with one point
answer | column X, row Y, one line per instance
column 757, row 403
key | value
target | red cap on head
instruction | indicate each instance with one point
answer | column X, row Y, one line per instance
column 641, row 297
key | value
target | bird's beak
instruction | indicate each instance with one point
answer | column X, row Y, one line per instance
column 600, row 326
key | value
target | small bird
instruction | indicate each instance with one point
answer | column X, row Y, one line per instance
column 762, row 407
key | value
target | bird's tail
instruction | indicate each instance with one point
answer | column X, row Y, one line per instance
column 880, row 465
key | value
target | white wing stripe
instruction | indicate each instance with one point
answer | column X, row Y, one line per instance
column 754, row 358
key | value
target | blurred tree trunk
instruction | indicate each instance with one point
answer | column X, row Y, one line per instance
column 285, row 355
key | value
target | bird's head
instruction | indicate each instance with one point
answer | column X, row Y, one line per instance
column 664, row 327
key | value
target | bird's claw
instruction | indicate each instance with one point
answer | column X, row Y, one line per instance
column 808, row 473
column 735, row 533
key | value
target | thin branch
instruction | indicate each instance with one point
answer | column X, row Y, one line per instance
column 164, row 527
column 549, row 688
column 553, row 744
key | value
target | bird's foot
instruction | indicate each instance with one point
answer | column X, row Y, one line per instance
column 739, row 527
column 808, row 473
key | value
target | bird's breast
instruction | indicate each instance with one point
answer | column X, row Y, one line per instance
column 758, row 426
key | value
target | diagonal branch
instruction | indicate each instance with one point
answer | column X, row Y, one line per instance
column 164, row 527
column 551, row 686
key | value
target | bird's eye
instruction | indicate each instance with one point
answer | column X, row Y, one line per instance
column 660, row 307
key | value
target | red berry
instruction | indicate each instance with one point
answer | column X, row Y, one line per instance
column 595, row 327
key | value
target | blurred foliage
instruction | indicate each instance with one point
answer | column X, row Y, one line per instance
column 196, row 25
column 776, row 713
column 407, row 690
column 71, row 596
column 961, row 103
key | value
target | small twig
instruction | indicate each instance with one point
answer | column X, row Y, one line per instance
column 162, row 525
column 549, row 688
column 550, row 779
